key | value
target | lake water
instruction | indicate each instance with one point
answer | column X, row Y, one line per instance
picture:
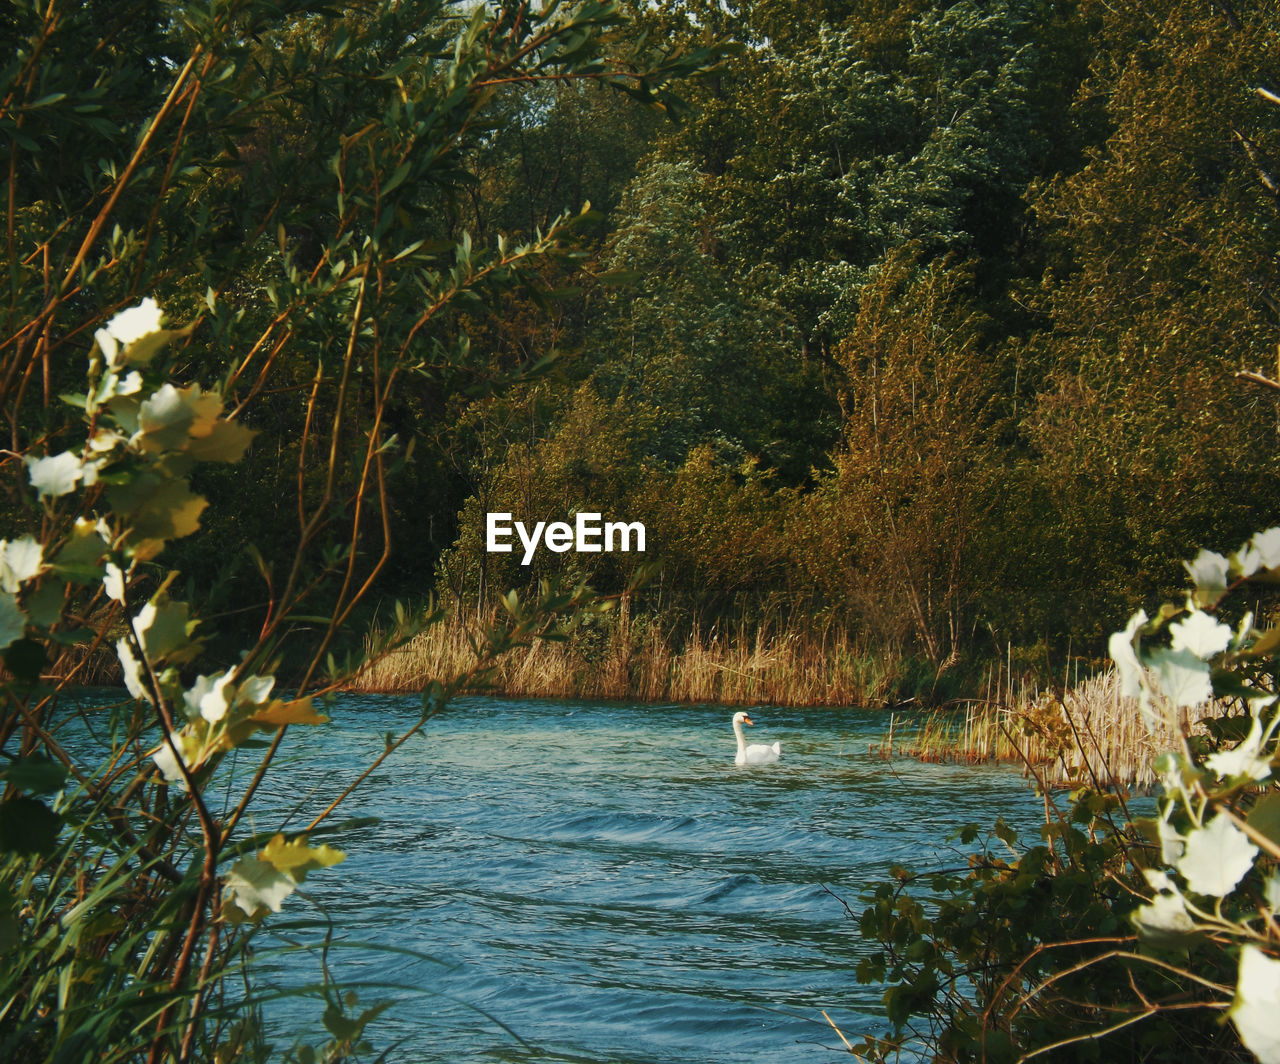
column 571, row 881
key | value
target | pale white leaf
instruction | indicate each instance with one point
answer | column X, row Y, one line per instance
column 1172, row 844
column 168, row 765
column 1267, row 544
column 167, row 762
column 54, row 476
column 1248, row 560
column 167, row 414
column 1273, row 892
column 255, row 690
column 133, row 324
column 113, row 582
column 1256, row 1009
column 132, row 669
column 1260, row 701
column 1217, row 858
column 1183, row 677
column 256, row 884
column 208, row 697
column 104, row 440
column 1244, row 759
column 1201, row 634
column 20, row 561
column 1209, row 573
column 90, row 471
column 107, row 345
column 1126, row 658
column 1164, row 921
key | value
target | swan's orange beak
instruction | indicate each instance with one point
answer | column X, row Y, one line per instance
column 748, row 720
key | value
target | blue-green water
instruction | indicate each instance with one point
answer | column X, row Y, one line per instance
column 599, row 882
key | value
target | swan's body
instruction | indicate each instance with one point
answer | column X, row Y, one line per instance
column 756, row 753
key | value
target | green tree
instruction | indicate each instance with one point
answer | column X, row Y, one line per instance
column 698, row 343
column 917, row 475
column 1159, row 285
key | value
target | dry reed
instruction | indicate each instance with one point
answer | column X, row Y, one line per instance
column 1091, row 734
column 640, row 662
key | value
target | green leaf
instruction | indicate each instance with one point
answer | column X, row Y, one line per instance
column 278, row 713
column 164, row 628
column 13, row 622
column 1265, row 817
column 28, row 826
column 345, row 1029
column 44, row 605
column 10, row 932
column 396, row 179
column 620, row 277
column 226, row 441
column 80, row 558
column 36, row 774
column 1005, row 833
column 170, row 510
column 296, row 858
column 25, row 659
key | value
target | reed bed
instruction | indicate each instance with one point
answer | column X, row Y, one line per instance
column 1090, row 734
column 642, row 663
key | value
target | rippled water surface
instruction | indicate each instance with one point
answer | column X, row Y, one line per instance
column 599, row 882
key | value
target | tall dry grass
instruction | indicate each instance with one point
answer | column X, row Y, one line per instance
column 644, row 663
column 1088, row 734
column 1091, row 734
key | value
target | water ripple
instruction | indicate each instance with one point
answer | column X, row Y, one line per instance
column 586, row 883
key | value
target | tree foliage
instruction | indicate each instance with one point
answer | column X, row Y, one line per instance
column 1044, row 231
column 234, row 216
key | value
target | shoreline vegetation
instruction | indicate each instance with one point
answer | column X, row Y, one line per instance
column 1078, row 732
column 1081, row 732
column 730, row 664
column 1088, row 734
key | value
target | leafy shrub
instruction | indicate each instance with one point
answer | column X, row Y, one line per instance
column 273, row 175
column 1121, row 937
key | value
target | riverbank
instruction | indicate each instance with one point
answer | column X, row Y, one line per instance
column 645, row 663
column 1087, row 733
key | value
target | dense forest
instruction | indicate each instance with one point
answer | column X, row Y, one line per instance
column 918, row 320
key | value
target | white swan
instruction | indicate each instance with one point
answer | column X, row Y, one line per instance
column 756, row 753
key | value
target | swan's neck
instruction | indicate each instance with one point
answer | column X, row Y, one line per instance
column 742, row 742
